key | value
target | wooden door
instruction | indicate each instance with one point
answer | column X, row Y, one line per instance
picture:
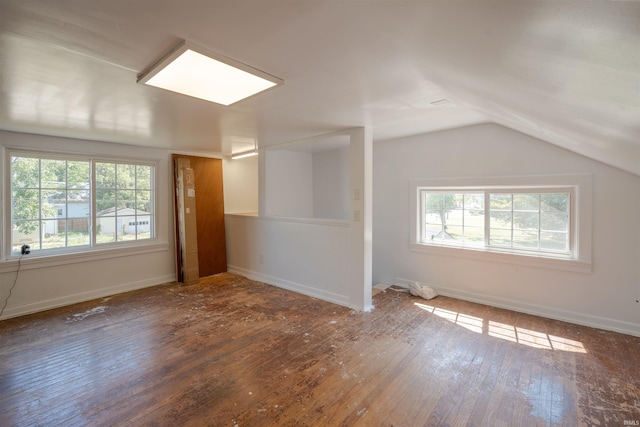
column 212, row 247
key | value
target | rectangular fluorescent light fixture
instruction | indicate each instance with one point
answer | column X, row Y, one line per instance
column 192, row 71
column 244, row 154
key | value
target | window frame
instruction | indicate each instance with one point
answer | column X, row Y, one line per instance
column 93, row 245
column 578, row 258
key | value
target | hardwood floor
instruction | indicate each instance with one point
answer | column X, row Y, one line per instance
column 232, row 352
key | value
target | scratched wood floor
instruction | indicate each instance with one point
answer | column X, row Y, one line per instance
column 233, row 352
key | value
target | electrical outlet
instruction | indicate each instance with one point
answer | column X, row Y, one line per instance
column 26, row 249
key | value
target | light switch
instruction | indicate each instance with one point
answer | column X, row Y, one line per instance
column 356, row 194
column 356, row 215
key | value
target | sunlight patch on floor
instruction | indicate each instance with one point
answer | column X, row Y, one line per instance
column 505, row 331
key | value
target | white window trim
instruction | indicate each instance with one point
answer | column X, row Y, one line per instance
column 76, row 251
column 581, row 208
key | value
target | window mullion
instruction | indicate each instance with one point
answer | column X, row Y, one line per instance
column 39, row 203
column 135, row 199
column 539, row 222
column 464, row 234
column 487, row 218
column 93, row 208
column 66, row 204
column 511, row 244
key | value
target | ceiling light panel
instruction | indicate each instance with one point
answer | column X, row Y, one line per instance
column 192, row 71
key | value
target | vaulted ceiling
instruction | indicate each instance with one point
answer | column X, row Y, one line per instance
column 567, row 72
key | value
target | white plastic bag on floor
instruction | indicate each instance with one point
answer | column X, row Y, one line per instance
column 422, row 290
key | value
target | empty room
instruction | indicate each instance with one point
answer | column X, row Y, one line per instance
column 320, row 213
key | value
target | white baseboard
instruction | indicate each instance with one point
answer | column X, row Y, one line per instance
column 538, row 310
column 291, row 286
column 65, row 300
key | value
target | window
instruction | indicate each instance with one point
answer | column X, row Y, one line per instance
column 527, row 221
column 62, row 203
column 537, row 220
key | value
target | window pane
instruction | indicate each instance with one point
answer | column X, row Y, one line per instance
column 25, row 172
column 144, row 177
column 143, row 229
column 500, row 210
column 474, row 217
column 105, row 202
column 437, row 207
column 53, row 203
column 25, row 232
column 554, row 241
column 105, row 229
column 78, row 204
column 454, row 232
column 143, row 201
column 124, row 230
column 432, row 203
column 78, row 175
column 53, row 237
column 454, row 217
column 53, row 173
column 126, row 176
column 105, row 175
column 500, row 219
column 78, row 233
column 525, row 220
column 525, row 239
column 474, row 234
column 433, row 227
column 25, row 204
column 451, row 201
column 474, row 202
column 526, row 202
column 500, row 202
column 500, row 237
column 431, row 231
column 126, row 200
column 554, row 202
column 551, row 221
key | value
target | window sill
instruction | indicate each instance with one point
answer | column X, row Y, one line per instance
column 488, row 255
column 29, row 262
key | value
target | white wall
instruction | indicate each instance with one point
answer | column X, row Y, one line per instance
column 47, row 282
column 303, row 255
column 240, row 185
column 289, row 183
column 331, row 184
column 605, row 298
